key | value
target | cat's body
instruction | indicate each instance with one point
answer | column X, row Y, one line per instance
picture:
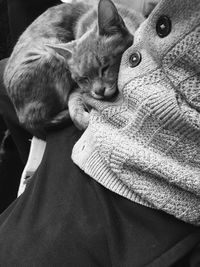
column 42, row 70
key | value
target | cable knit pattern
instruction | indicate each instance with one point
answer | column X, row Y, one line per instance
column 145, row 145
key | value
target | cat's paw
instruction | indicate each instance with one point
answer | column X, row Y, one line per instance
column 78, row 111
column 81, row 121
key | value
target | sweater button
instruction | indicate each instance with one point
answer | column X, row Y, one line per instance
column 163, row 26
column 135, row 59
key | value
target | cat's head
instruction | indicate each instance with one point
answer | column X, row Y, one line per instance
column 94, row 58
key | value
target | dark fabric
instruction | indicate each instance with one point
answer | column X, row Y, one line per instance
column 65, row 218
column 11, row 169
column 4, row 30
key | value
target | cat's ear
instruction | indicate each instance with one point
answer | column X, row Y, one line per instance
column 64, row 50
column 109, row 20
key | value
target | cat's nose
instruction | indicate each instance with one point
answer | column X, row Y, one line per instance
column 100, row 91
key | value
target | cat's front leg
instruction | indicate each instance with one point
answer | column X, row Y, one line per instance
column 77, row 110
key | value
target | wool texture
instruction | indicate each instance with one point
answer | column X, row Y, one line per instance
column 145, row 145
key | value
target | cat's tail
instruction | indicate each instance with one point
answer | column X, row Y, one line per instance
column 39, row 120
column 60, row 120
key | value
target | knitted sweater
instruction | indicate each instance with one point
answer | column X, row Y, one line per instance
column 145, row 145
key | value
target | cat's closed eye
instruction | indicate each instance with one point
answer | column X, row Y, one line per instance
column 82, row 80
column 104, row 69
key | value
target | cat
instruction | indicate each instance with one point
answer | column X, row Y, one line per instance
column 70, row 47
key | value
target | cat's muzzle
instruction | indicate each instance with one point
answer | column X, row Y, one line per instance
column 104, row 93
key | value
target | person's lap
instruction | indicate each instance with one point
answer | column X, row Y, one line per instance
column 65, row 218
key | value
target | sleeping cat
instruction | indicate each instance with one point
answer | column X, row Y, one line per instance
column 69, row 46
